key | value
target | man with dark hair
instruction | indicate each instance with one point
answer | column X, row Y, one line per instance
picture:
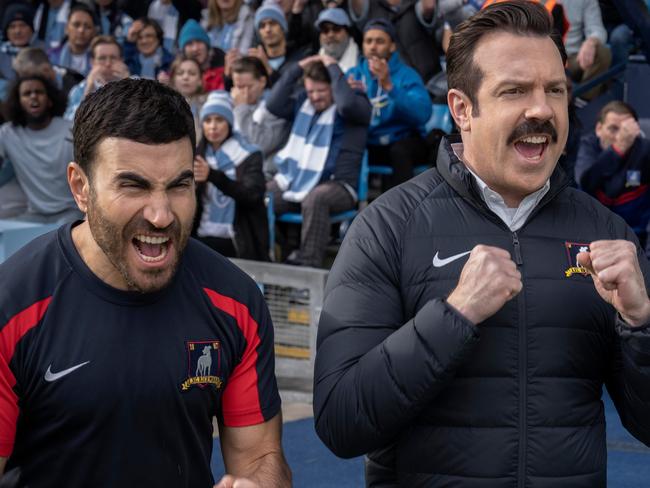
column 122, row 337
column 106, row 64
column 400, row 103
column 474, row 313
column 415, row 23
column 36, row 142
column 318, row 168
column 613, row 165
column 252, row 119
column 74, row 52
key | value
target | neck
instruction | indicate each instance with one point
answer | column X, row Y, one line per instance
column 277, row 50
column 40, row 124
column 76, row 49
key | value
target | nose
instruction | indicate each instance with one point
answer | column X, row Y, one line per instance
column 158, row 211
column 539, row 108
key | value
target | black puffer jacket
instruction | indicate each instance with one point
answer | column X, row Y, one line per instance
column 512, row 402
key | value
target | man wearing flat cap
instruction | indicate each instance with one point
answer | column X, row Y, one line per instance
column 333, row 26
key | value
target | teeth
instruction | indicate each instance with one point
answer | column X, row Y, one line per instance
column 151, row 239
column 535, row 139
column 151, row 259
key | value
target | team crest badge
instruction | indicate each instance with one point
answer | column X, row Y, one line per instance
column 572, row 250
column 204, row 364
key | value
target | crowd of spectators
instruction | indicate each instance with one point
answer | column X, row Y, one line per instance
column 287, row 97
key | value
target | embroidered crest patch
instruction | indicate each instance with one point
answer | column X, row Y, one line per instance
column 204, row 364
column 572, row 250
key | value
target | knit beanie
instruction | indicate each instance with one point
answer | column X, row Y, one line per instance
column 192, row 31
column 271, row 10
column 17, row 11
column 218, row 103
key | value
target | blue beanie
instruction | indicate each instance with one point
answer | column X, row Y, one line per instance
column 192, row 31
column 271, row 10
column 218, row 103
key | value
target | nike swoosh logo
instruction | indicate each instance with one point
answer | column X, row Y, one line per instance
column 49, row 376
column 439, row 263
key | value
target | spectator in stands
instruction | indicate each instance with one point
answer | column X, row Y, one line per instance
column 585, row 43
column 230, row 25
column 164, row 12
column 17, row 31
column 194, row 43
column 74, row 52
column 113, row 20
column 38, row 142
column 401, row 104
column 415, row 23
column 106, row 65
column 456, row 11
column 34, row 61
column 319, row 166
column 272, row 28
column 50, row 22
column 231, row 216
column 185, row 77
column 334, row 25
column 614, row 166
column 144, row 53
column 252, row 118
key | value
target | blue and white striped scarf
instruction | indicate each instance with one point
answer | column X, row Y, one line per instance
column 218, row 209
column 301, row 161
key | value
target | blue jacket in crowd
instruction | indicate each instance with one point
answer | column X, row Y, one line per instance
column 398, row 113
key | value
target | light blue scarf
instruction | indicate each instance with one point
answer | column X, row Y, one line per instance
column 301, row 161
column 218, row 209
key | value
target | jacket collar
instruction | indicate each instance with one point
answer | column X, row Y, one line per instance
column 456, row 174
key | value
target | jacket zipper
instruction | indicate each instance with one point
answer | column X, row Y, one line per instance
column 522, row 372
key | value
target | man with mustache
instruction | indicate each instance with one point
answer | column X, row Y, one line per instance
column 474, row 313
column 120, row 337
column 36, row 142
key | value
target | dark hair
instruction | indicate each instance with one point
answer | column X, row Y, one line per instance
column 149, row 22
column 519, row 17
column 14, row 112
column 317, row 71
column 252, row 65
column 140, row 110
column 618, row 107
column 82, row 7
column 101, row 39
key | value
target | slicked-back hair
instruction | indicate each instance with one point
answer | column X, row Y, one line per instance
column 518, row 17
column 14, row 112
column 140, row 110
column 618, row 107
column 316, row 71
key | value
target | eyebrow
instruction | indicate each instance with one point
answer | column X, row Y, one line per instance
column 144, row 183
column 527, row 83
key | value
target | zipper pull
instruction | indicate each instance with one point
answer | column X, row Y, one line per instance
column 515, row 241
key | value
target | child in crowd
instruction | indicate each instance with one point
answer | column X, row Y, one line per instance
column 231, row 216
column 185, row 76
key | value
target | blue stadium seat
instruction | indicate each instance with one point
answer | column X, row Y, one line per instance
column 440, row 119
column 342, row 217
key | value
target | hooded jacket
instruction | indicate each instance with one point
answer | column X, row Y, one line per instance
column 440, row 402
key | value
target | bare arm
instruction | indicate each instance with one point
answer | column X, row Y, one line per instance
column 3, row 463
column 254, row 453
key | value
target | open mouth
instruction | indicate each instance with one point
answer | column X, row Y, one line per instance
column 151, row 249
column 532, row 147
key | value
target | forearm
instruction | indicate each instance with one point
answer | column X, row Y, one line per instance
column 396, row 378
column 271, row 470
column 281, row 92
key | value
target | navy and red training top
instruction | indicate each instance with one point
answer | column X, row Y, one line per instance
column 102, row 387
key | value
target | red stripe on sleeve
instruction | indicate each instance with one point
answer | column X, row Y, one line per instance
column 10, row 334
column 241, row 399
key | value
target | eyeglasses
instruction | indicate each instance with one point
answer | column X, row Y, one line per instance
column 327, row 28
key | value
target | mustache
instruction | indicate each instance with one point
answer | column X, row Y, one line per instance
column 141, row 226
column 531, row 127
